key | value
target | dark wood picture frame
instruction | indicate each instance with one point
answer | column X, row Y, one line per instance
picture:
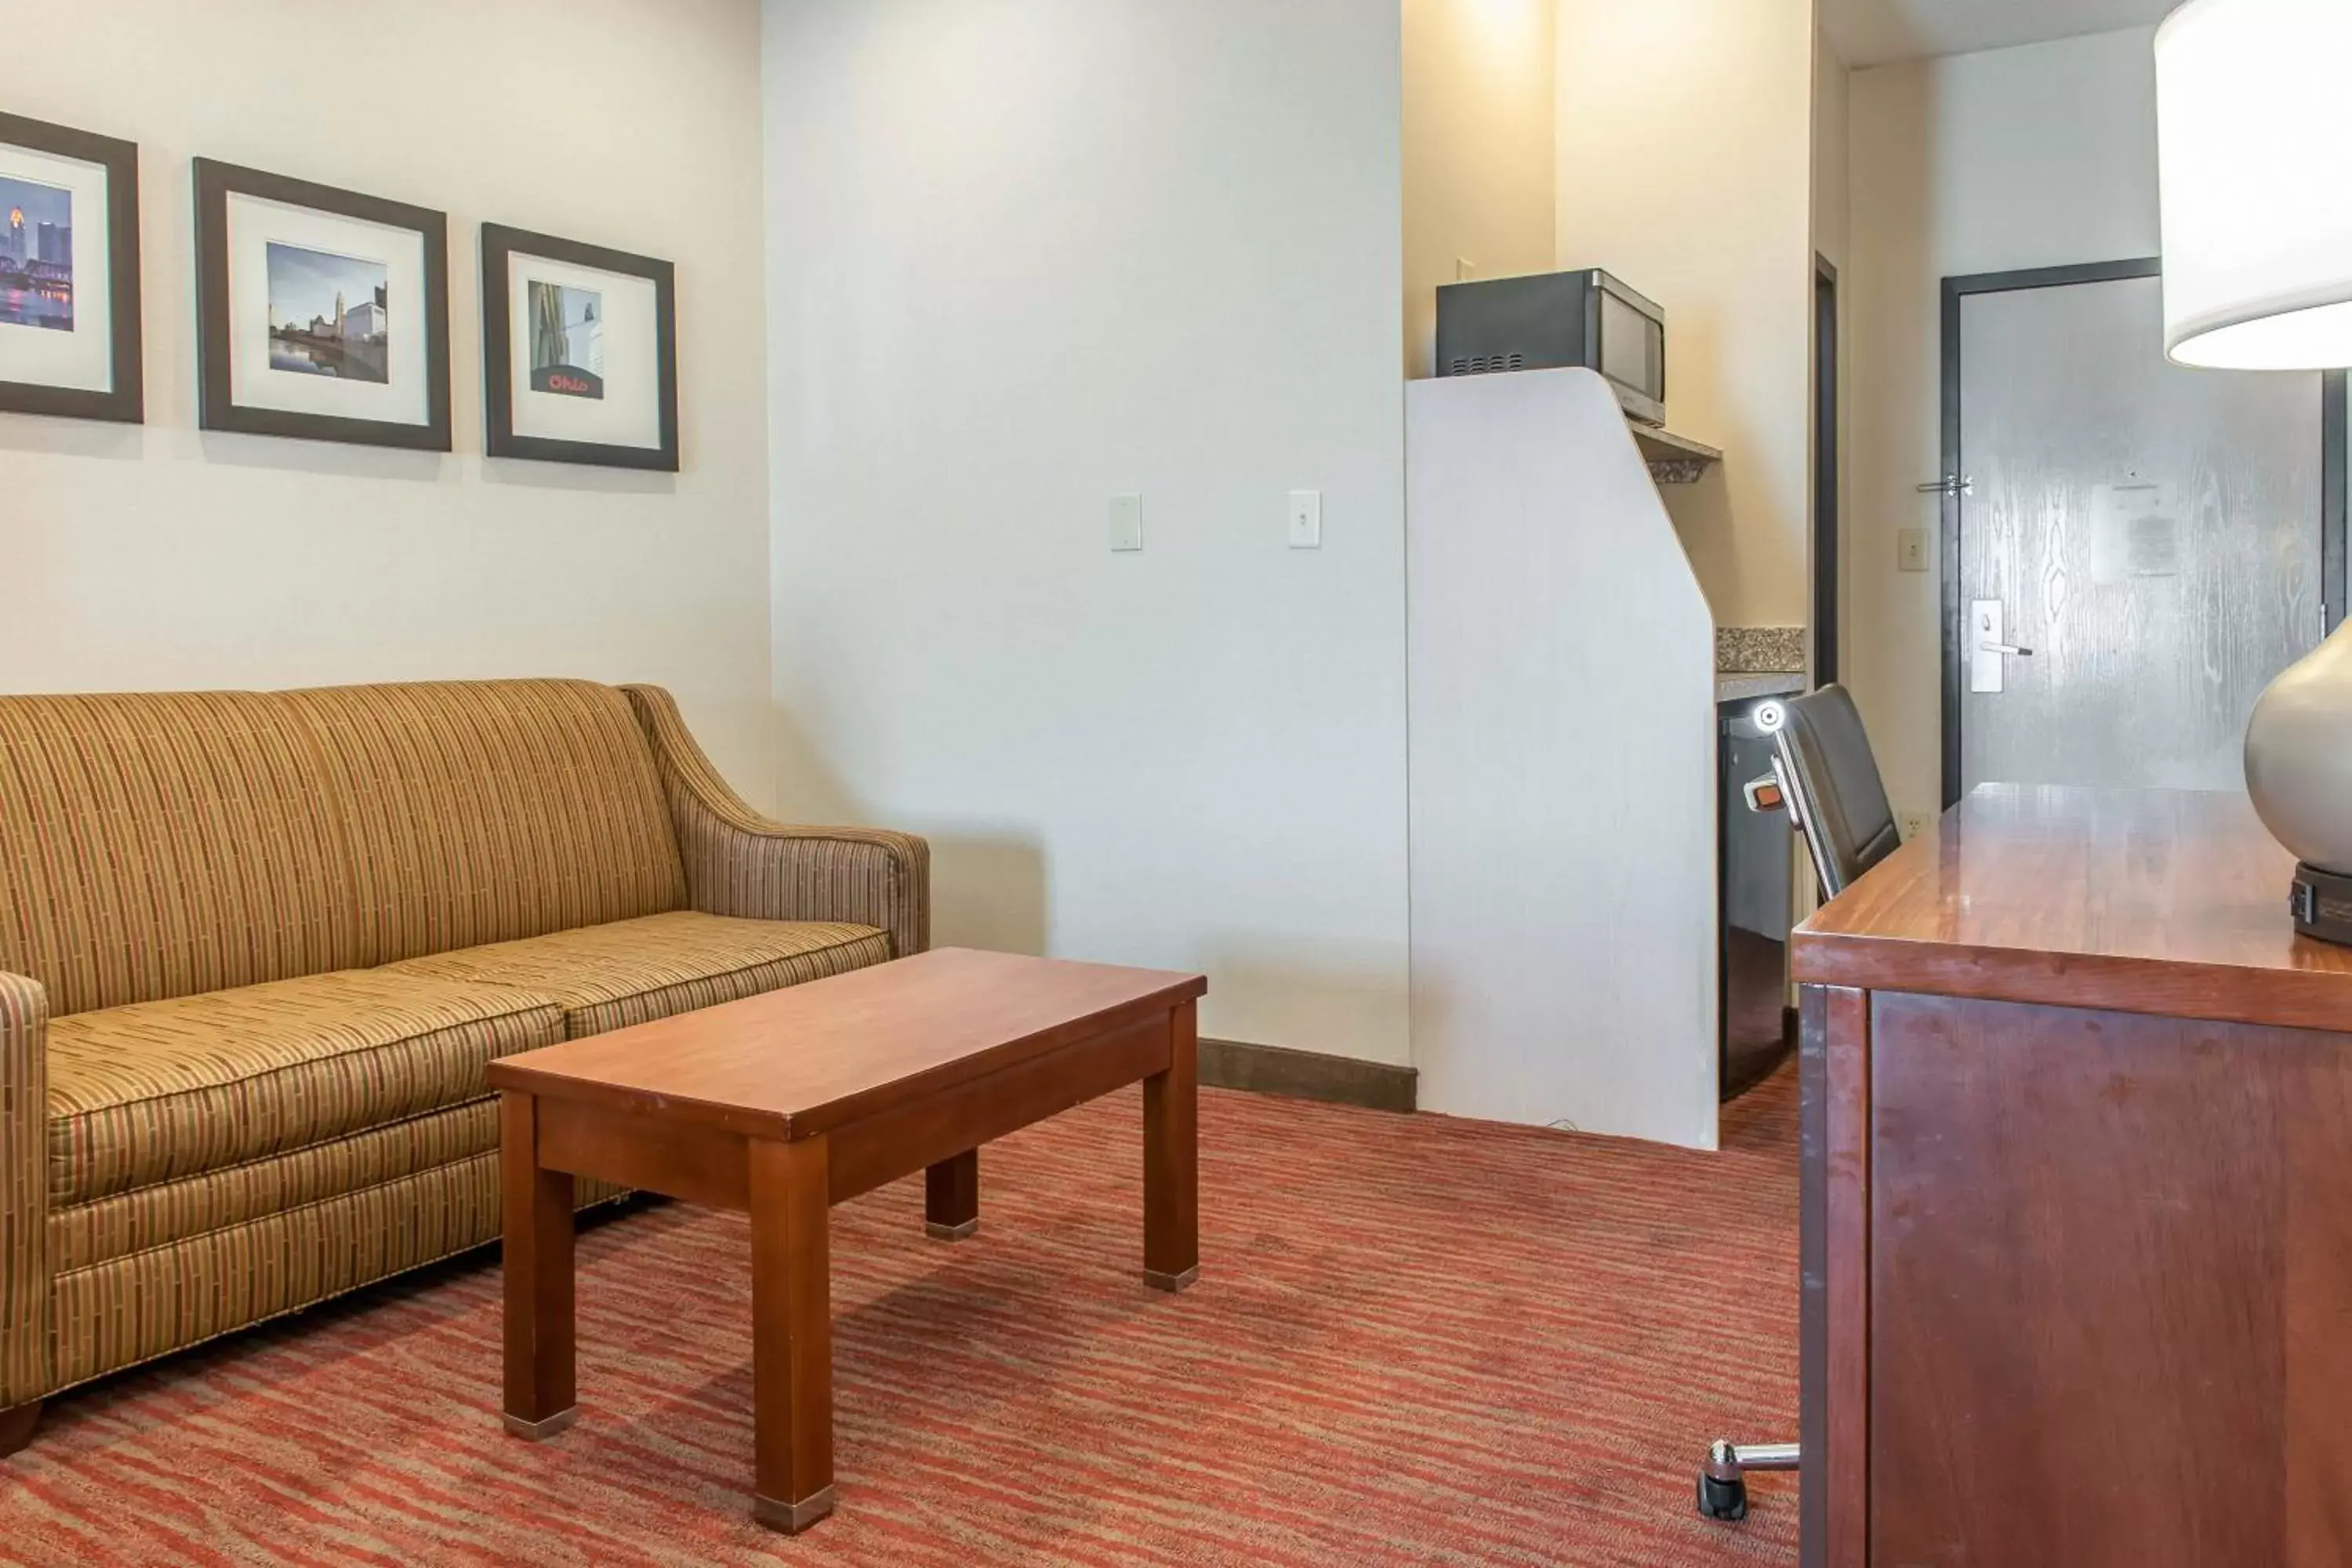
column 216, row 407
column 500, row 245
column 125, row 401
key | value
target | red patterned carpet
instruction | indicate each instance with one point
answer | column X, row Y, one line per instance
column 1416, row 1340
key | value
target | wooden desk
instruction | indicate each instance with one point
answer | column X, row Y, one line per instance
column 2077, row 1197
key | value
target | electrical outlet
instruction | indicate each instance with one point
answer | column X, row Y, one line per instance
column 1915, row 823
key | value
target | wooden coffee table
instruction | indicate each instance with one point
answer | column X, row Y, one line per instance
column 785, row 1104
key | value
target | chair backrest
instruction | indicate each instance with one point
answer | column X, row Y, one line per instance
column 1831, row 781
column 153, row 844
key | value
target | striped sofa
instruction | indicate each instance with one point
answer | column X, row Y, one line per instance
column 256, row 947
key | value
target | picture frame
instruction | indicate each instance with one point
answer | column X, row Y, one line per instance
column 69, row 314
column 579, row 352
column 321, row 314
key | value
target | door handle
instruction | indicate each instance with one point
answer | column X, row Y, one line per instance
column 1987, row 666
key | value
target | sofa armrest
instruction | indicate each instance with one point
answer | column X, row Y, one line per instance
column 740, row 863
column 24, row 1191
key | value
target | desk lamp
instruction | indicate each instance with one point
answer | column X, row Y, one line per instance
column 2254, row 163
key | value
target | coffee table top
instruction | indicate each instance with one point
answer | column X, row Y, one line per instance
column 802, row 1061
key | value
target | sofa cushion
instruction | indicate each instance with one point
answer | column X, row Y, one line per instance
column 628, row 972
column 483, row 811
column 160, row 844
column 165, row 1212
column 159, row 1090
column 150, row 1303
column 155, row 845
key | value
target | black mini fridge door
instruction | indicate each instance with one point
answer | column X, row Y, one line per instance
column 1754, row 888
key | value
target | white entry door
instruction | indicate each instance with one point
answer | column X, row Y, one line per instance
column 2139, row 544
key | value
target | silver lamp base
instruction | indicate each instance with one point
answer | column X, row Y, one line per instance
column 2299, row 773
column 2322, row 904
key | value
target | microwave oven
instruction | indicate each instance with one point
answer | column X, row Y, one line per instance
column 1552, row 319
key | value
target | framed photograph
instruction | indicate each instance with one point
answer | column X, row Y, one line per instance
column 579, row 352
column 69, row 273
column 320, row 314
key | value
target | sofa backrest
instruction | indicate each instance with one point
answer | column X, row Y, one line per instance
column 160, row 844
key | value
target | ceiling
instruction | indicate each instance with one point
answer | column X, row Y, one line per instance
column 1872, row 32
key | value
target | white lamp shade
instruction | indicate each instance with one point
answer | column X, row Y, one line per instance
column 2254, row 159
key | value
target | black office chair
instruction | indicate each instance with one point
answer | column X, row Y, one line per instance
column 1822, row 768
column 1823, row 774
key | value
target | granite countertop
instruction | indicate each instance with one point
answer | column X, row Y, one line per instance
column 1738, row 687
column 1759, row 650
column 1759, row 661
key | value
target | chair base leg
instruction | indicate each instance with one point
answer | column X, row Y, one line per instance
column 1726, row 1501
column 1723, row 1480
column 17, row 1426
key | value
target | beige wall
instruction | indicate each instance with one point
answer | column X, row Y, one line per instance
column 1832, row 236
column 1685, row 167
column 164, row 557
column 1024, row 255
column 1478, row 139
column 1832, row 184
column 1833, row 241
column 2038, row 156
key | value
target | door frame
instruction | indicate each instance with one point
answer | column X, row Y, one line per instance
column 1828, row 552
column 2332, row 491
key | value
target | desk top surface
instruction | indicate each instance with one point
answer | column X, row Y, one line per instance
column 800, row 1061
column 2163, row 901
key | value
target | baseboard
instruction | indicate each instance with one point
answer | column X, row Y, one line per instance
column 1306, row 1075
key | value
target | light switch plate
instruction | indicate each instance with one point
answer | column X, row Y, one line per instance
column 1910, row 550
column 1307, row 520
column 1126, row 523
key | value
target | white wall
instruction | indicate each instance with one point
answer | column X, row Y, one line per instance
column 1479, row 172
column 2038, row 156
column 164, row 557
column 1685, row 168
column 1564, row 934
column 1023, row 255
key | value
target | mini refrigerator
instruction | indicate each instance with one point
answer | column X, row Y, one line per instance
column 1753, row 890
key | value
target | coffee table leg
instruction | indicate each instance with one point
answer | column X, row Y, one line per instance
column 951, row 1197
column 1172, row 1202
column 792, row 1333
column 539, row 1394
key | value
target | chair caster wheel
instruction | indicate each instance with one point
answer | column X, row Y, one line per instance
column 1722, row 1500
